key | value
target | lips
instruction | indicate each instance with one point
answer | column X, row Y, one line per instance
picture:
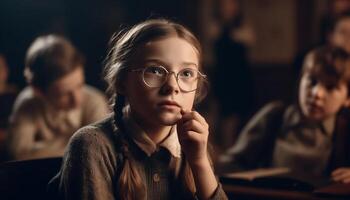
column 169, row 103
column 315, row 107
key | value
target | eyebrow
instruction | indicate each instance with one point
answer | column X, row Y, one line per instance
column 166, row 64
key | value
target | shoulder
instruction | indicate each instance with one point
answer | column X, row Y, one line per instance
column 271, row 109
column 90, row 91
column 93, row 98
column 98, row 136
column 27, row 102
column 25, row 96
column 93, row 133
column 273, row 106
column 266, row 118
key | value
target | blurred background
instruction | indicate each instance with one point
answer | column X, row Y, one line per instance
column 267, row 38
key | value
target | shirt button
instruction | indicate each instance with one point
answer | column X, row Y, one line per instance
column 156, row 177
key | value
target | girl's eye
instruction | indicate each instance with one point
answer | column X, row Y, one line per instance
column 187, row 73
column 155, row 70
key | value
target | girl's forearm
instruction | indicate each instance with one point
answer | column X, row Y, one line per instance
column 204, row 178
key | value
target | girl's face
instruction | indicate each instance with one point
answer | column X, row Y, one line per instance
column 160, row 106
column 319, row 100
column 341, row 34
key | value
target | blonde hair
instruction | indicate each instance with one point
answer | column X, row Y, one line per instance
column 124, row 46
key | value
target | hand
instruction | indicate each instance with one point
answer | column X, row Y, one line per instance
column 193, row 133
column 341, row 175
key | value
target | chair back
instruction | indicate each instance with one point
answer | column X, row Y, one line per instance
column 27, row 179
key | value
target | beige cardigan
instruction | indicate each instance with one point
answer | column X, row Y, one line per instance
column 37, row 130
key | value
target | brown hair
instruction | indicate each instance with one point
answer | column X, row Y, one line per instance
column 330, row 65
column 124, row 46
column 50, row 58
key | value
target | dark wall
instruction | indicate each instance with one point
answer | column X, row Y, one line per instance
column 88, row 23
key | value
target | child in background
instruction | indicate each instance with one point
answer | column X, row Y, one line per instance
column 56, row 102
column 8, row 93
column 311, row 137
column 154, row 146
column 340, row 35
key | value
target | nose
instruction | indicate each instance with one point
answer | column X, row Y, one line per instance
column 76, row 98
column 171, row 84
column 318, row 90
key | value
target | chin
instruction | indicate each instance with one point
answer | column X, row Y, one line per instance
column 169, row 119
column 315, row 116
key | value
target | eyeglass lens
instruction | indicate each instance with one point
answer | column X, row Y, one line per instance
column 155, row 76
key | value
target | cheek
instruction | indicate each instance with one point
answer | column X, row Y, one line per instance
column 336, row 101
column 139, row 96
column 62, row 101
column 188, row 101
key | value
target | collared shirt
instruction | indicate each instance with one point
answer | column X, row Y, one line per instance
column 140, row 137
column 303, row 146
column 90, row 168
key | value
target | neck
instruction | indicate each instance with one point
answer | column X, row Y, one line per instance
column 157, row 133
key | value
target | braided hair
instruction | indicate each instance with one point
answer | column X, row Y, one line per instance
column 123, row 47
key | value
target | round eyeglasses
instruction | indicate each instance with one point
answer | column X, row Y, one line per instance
column 156, row 76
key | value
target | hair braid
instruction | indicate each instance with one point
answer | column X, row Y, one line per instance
column 130, row 184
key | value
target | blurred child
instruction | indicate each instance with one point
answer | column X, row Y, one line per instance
column 5, row 87
column 340, row 35
column 335, row 8
column 155, row 144
column 310, row 137
column 8, row 95
column 232, row 81
column 55, row 104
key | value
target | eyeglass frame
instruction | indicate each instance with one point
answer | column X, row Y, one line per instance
column 167, row 76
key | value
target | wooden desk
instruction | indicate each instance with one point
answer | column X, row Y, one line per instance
column 237, row 192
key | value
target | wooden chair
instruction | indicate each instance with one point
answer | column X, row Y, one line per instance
column 27, row 179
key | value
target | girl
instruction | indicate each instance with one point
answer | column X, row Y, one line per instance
column 155, row 145
column 311, row 137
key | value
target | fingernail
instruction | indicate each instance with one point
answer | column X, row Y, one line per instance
column 182, row 111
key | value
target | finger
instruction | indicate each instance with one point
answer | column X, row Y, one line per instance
column 183, row 113
column 196, row 116
column 194, row 125
column 190, row 136
column 342, row 176
column 339, row 171
column 347, row 180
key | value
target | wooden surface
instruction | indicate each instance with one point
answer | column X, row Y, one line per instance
column 253, row 193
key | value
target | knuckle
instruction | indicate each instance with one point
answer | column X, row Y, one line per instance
column 192, row 122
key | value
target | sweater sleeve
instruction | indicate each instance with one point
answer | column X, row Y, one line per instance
column 219, row 194
column 254, row 142
column 88, row 167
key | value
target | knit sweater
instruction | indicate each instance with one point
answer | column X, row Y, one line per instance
column 94, row 160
